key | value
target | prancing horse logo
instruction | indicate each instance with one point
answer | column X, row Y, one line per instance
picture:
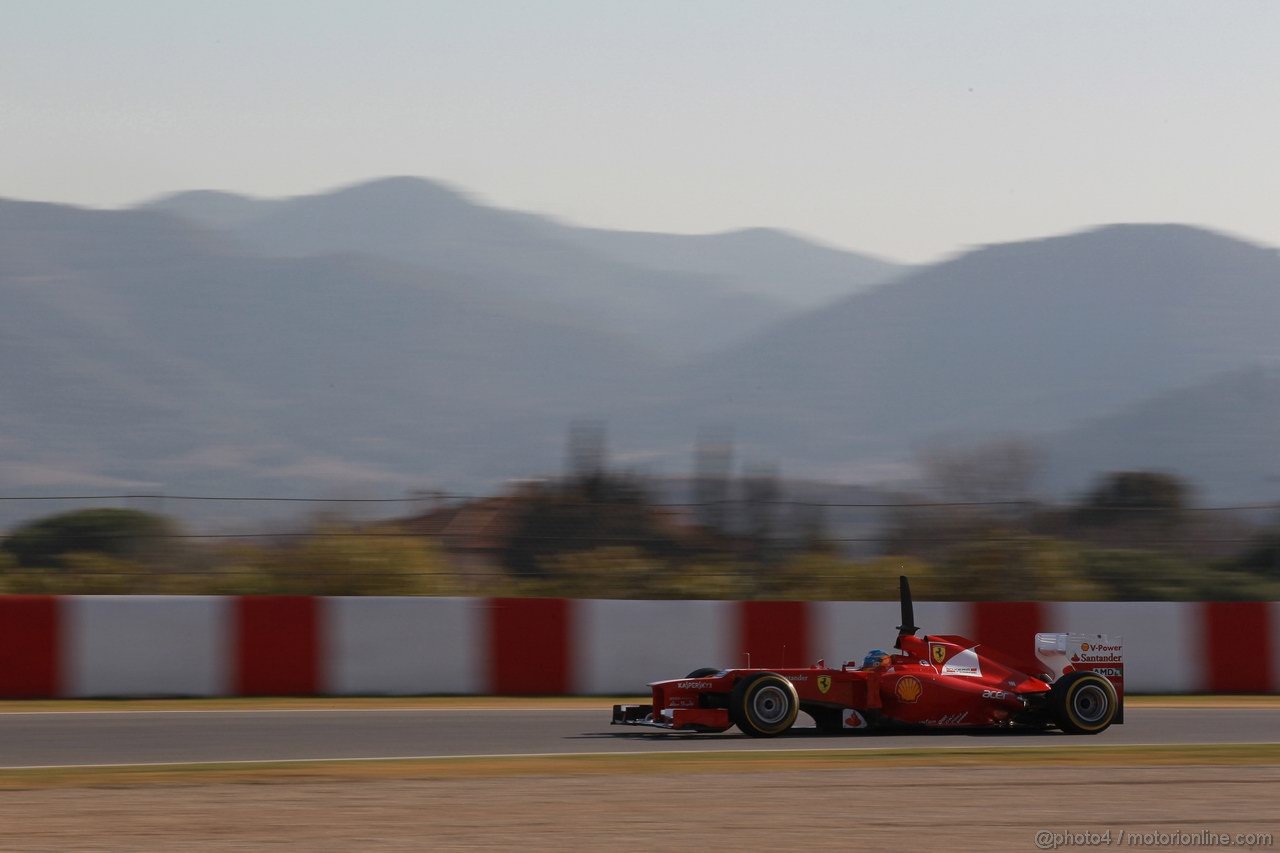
column 824, row 683
column 939, row 653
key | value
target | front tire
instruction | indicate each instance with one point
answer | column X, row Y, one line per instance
column 764, row 705
column 1083, row 703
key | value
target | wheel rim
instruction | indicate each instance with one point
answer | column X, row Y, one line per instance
column 770, row 705
column 1090, row 703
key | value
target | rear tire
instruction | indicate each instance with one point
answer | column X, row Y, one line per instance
column 703, row 672
column 764, row 704
column 1083, row 703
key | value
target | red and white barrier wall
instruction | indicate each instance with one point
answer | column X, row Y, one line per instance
column 73, row 646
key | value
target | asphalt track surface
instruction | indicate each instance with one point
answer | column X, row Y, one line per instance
column 78, row 738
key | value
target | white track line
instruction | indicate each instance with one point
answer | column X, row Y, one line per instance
column 852, row 751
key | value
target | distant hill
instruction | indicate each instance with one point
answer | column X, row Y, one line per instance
column 501, row 254
column 1223, row 435
column 762, row 261
column 1024, row 336
column 694, row 296
column 143, row 351
column 140, row 349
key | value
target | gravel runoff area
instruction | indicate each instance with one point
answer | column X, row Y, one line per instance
column 979, row 803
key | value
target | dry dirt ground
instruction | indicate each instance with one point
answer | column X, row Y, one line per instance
column 878, row 808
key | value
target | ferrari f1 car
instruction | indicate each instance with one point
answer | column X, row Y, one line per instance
column 1074, row 682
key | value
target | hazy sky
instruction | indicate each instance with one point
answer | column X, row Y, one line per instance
column 907, row 129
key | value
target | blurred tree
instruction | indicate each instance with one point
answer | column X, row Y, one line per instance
column 126, row 534
column 713, row 461
column 1262, row 556
column 1004, row 469
column 586, row 454
column 1123, row 496
column 1128, row 510
column 761, row 493
column 596, row 511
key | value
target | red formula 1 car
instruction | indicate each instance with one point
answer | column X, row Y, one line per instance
column 1072, row 681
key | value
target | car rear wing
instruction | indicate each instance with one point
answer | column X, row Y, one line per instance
column 1064, row 653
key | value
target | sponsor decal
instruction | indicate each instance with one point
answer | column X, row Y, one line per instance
column 851, row 719
column 1084, row 647
column 994, row 694
column 1097, row 658
column 1110, row 671
column 948, row 720
column 824, row 683
column 938, row 651
column 694, row 685
column 795, row 678
column 908, row 688
column 964, row 663
column 680, row 702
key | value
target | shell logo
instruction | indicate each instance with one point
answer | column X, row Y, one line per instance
column 908, row 688
column 1084, row 647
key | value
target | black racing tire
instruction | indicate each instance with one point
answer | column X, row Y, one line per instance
column 1083, row 703
column 703, row 672
column 764, row 704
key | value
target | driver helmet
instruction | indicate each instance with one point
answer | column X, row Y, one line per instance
column 875, row 658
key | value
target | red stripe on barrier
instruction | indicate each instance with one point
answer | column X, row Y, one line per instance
column 1008, row 626
column 529, row 643
column 1237, row 645
column 30, row 647
column 277, row 646
column 774, row 633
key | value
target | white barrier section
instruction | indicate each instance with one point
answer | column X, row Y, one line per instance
column 846, row 630
column 622, row 645
column 147, row 645
column 1161, row 640
column 403, row 645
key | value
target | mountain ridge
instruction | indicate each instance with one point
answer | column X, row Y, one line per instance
column 141, row 347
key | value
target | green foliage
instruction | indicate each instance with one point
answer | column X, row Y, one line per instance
column 1017, row 568
column 626, row 572
column 1136, row 575
column 124, row 534
column 821, row 575
column 337, row 560
column 598, row 536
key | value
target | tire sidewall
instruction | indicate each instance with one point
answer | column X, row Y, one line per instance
column 743, row 695
column 1064, row 712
